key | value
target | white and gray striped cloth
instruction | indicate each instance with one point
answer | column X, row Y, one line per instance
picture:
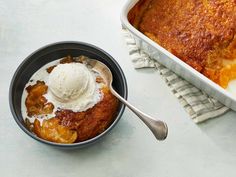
column 198, row 104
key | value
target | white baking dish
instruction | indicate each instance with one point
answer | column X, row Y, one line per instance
column 175, row 64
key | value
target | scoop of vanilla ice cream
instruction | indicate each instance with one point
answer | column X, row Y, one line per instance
column 69, row 81
column 73, row 86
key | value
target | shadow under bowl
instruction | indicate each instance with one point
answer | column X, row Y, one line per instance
column 53, row 52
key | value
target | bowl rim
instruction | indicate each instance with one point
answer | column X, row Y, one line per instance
column 78, row 144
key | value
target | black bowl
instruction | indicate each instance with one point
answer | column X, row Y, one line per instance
column 56, row 51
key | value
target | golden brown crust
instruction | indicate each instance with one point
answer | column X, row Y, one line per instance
column 92, row 122
column 35, row 102
column 136, row 13
column 51, row 130
column 68, row 126
column 199, row 32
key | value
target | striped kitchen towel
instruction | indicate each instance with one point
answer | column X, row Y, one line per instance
column 198, row 104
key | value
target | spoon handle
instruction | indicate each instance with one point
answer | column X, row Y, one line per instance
column 158, row 128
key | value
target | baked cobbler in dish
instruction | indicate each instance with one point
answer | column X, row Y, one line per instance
column 202, row 33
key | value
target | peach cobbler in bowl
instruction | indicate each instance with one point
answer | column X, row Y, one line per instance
column 64, row 102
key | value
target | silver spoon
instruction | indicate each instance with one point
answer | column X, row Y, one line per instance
column 158, row 128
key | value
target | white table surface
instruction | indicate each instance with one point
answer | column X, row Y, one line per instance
column 130, row 150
